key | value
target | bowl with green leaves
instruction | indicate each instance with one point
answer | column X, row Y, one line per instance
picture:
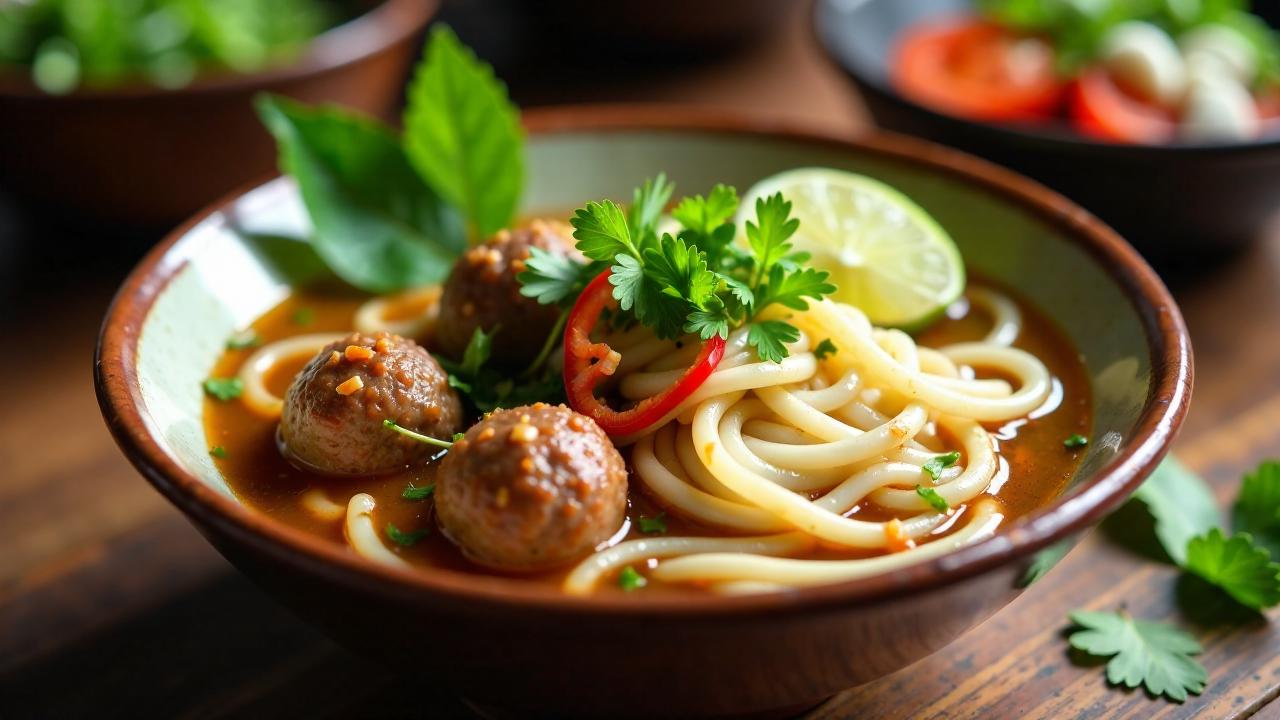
column 542, row 324
column 140, row 112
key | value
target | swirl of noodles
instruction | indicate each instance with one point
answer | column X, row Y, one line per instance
column 254, row 371
column 794, row 454
column 361, row 534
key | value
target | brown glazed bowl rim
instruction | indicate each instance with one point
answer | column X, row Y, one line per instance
column 383, row 25
column 119, row 396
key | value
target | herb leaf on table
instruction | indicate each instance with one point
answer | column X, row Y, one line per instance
column 1142, row 652
column 377, row 224
column 1181, row 504
column 1241, row 569
column 463, row 134
column 1257, row 509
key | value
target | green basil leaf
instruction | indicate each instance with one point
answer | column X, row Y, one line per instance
column 377, row 225
column 463, row 135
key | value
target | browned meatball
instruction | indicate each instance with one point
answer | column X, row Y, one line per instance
column 531, row 488
column 482, row 292
column 334, row 410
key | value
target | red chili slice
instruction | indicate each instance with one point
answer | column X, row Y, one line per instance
column 587, row 364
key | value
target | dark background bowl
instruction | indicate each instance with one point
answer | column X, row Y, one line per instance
column 1173, row 202
column 140, row 156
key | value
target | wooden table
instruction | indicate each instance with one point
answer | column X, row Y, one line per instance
column 110, row 601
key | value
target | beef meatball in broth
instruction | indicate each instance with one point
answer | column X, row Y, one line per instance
column 482, row 292
column 333, row 413
column 531, row 488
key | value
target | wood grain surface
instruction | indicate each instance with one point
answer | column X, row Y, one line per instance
column 111, row 604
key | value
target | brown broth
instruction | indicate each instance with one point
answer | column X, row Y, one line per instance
column 1038, row 466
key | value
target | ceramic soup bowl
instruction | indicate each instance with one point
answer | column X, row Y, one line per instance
column 524, row 647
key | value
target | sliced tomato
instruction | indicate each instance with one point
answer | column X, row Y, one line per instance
column 1269, row 110
column 587, row 364
column 1100, row 108
column 977, row 70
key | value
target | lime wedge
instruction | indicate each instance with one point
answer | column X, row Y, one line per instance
column 885, row 254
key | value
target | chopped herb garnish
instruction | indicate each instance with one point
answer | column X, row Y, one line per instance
column 458, row 436
column 1142, row 652
column 244, row 340
column 403, row 538
column 825, row 348
column 1075, row 442
column 303, row 316
column 412, row 492
column 630, row 580
column 218, row 452
column 391, row 425
column 653, row 525
column 931, row 496
column 224, row 389
column 935, row 465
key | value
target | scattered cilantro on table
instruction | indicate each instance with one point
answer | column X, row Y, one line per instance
column 1150, row 654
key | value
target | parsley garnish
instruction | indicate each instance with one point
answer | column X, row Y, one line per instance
column 406, row 539
column 630, row 580
column 653, row 525
column 1142, row 653
column 1181, row 504
column 1243, row 570
column 825, row 348
column 1075, row 442
column 244, row 340
column 218, row 452
column 303, row 316
column 411, row 492
column 935, row 465
column 224, row 389
column 427, row 439
column 1043, row 561
column 931, row 496
column 489, row 389
column 696, row 281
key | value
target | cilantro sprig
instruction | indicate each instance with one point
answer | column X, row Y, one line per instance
column 1142, row 652
column 696, row 280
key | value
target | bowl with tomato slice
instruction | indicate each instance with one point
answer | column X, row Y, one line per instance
column 1163, row 121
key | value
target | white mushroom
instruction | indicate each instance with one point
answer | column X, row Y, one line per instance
column 1220, row 46
column 1219, row 108
column 1144, row 59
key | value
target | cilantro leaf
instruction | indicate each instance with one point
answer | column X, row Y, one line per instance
column 680, row 271
column 791, row 288
column 1243, row 570
column 406, row 539
column 770, row 338
column 1075, row 442
column 1044, row 561
column 1142, row 652
column 224, row 389
column 462, row 134
column 768, row 235
column 665, row 313
column 931, row 496
column 303, row 316
column 653, row 525
column 1181, row 504
column 825, row 348
column 740, row 291
column 1257, row 509
column 218, row 451
column 412, row 492
column 707, row 324
column 934, row 466
column 477, row 353
column 703, row 216
column 630, row 580
column 647, row 203
column 552, row 278
column 377, row 225
column 602, row 232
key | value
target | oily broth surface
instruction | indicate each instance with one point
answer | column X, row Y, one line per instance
column 1035, row 467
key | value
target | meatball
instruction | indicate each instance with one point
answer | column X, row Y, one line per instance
column 334, row 411
column 531, row 488
column 482, row 292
